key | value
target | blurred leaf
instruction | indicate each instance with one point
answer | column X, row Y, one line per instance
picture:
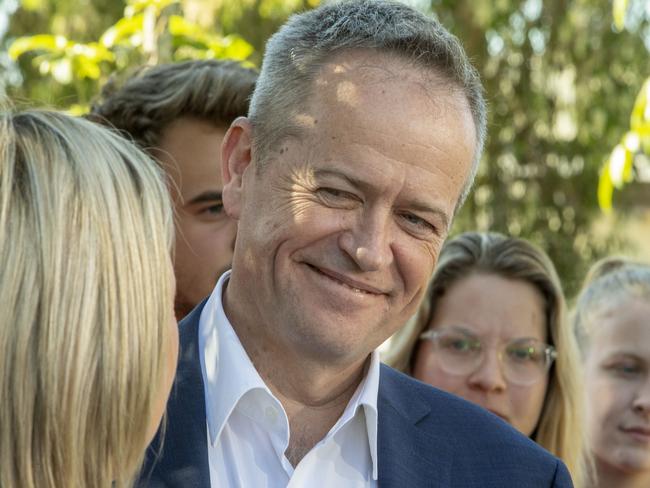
column 205, row 44
column 231, row 47
column 62, row 70
column 138, row 6
column 619, row 166
column 32, row 5
column 278, row 8
column 179, row 26
column 78, row 109
column 605, row 190
column 619, row 9
column 122, row 31
column 92, row 51
column 85, row 68
column 640, row 117
column 41, row 42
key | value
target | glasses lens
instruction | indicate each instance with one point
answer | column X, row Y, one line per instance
column 525, row 362
column 458, row 353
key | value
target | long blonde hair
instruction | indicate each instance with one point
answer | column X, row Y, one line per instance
column 86, row 288
column 560, row 428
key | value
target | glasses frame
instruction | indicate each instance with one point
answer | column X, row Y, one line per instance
column 550, row 355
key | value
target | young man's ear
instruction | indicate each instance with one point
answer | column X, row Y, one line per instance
column 235, row 159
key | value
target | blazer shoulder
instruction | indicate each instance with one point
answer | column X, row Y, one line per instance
column 473, row 439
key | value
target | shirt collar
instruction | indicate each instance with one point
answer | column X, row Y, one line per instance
column 366, row 397
column 222, row 354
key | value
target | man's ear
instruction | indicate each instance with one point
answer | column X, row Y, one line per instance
column 235, row 159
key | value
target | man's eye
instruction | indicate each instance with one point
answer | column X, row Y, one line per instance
column 417, row 223
column 332, row 195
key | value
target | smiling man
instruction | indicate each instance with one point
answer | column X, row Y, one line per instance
column 364, row 133
column 179, row 113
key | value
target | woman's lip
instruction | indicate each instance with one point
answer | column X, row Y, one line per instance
column 640, row 433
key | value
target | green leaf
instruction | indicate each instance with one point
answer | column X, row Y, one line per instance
column 41, row 42
column 122, row 31
column 138, row 6
column 616, row 165
column 605, row 190
column 640, row 117
column 62, row 71
column 77, row 109
column 619, row 9
column 231, row 47
column 85, row 68
column 32, row 5
column 179, row 26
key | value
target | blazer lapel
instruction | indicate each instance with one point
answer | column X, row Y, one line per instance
column 178, row 457
column 408, row 455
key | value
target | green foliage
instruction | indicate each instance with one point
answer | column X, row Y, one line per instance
column 150, row 31
column 560, row 79
column 618, row 167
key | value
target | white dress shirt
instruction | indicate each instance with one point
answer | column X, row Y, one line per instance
column 248, row 429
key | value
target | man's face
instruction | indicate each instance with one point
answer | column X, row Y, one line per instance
column 190, row 151
column 340, row 230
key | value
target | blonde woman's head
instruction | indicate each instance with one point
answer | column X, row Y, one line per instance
column 612, row 318
column 503, row 296
column 87, row 344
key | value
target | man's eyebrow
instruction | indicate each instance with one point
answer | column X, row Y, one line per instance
column 206, row 196
column 416, row 205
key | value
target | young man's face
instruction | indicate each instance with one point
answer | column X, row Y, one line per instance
column 190, row 151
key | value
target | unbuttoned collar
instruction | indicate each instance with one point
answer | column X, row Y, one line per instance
column 229, row 375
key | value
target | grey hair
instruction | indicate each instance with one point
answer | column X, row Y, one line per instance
column 608, row 282
column 296, row 52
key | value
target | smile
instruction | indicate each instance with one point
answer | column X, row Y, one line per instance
column 347, row 282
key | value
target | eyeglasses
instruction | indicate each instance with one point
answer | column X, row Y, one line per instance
column 523, row 361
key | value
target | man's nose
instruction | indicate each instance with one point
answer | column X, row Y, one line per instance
column 488, row 375
column 368, row 241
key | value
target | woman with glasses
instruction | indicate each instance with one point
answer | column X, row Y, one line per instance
column 492, row 329
column 612, row 318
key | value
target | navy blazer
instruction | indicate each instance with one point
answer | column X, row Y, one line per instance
column 426, row 437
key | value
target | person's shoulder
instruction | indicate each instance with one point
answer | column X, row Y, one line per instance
column 468, row 427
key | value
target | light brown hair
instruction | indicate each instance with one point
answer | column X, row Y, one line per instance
column 210, row 90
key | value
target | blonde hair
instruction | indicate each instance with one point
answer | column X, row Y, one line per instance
column 86, row 288
column 560, row 429
column 608, row 281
